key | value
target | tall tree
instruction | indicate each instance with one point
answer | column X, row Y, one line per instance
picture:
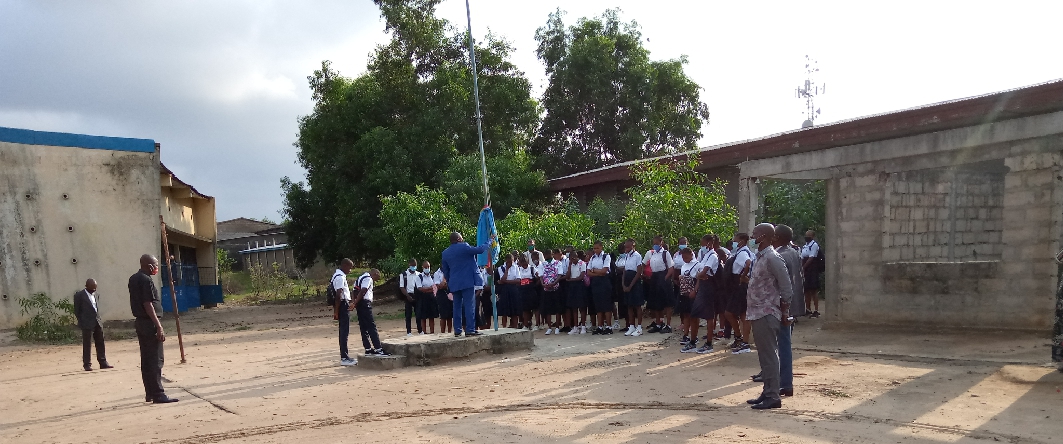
column 395, row 127
column 607, row 102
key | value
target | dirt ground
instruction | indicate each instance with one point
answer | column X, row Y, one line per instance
column 270, row 375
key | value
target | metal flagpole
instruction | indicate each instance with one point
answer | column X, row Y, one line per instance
column 483, row 157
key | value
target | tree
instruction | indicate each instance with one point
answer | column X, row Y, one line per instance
column 513, row 182
column 607, row 102
column 395, row 127
column 675, row 201
column 800, row 205
column 419, row 225
column 554, row 229
column 605, row 213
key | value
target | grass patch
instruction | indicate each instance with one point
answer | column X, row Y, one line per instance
column 51, row 321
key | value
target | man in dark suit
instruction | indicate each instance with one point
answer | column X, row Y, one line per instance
column 462, row 274
column 87, row 310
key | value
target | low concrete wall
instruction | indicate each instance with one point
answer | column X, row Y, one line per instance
column 421, row 351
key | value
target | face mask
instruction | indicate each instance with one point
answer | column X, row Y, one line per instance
column 426, row 270
column 734, row 245
column 752, row 245
column 656, row 248
column 413, row 268
column 154, row 271
column 808, row 239
column 531, row 247
column 682, row 246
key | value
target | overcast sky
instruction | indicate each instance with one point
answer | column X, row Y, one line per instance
column 220, row 84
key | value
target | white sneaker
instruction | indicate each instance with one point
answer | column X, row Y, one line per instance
column 409, row 334
column 557, row 330
column 548, row 331
column 703, row 323
column 574, row 331
column 630, row 330
column 616, row 325
column 638, row 331
column 348, row 362
column 535, row 328
column 583, row 329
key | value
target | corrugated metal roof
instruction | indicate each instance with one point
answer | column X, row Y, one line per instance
column 48, row 138
column 269, row 248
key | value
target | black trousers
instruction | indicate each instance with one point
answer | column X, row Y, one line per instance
column 345, row 327
column 411, row 308
column 367, row 325
column 151, row 358
column 87, row 337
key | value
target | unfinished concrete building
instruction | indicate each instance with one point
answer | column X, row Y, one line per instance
column 945, row 215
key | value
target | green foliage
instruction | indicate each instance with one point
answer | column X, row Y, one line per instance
column 51, row 321
column 605, row 214
column 269, row 282
column 396, row 126
column 674, row 201
column 550, row 230
column 225, row 264
column 513, row 183
column 607, row 102
column 802, row 206
column 419, row 224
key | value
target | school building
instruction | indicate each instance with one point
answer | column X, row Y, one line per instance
column 74, row 207
column 945, row 215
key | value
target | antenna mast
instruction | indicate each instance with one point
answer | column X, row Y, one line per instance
column 809, row 91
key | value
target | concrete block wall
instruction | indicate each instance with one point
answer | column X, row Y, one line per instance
column 938, row 215
column 861, row 206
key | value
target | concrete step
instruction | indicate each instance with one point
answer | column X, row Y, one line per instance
column 373, row 362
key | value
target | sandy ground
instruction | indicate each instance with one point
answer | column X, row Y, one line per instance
column 271, row 375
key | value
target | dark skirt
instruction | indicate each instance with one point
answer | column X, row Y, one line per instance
column 575, row 295
column 684, row 303
column 502, row 295
column 602, row 294
column 660, row 294
column 427, row 307
column 737, row 303
column 529, row 297
column 618, row 289
column 553, row 302
column 635, row 297
column 705, row 303
column 514, row 305
column 446, row 306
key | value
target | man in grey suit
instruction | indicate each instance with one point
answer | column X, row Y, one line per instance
column 87, row 310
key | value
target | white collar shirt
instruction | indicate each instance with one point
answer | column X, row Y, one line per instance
column 513, row 272
column 658, row 261
column 538, row 268
column 92, row 298
column 365, row 281
column 678, row 262
column 599, row 261
column 810, row 249
column 525, row 272
column 621, row 261
column 741, row 256
column 339, row 282
column 634, row 259
column 409, row 280
column 577, row 269
column 712, row 261
column 437, row 277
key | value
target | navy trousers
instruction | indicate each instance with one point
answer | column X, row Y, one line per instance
column 464, row 309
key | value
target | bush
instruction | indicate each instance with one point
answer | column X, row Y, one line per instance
column 802, row 206
column 51, row 321
column 419, row 225
column 269, row 283
column 550, row 230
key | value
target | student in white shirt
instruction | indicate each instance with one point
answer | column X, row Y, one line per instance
column 363, row 305
column 483, row 298
column 537, row 263
column 601, row 288
column 553, row 302
column 660, row 299
column 736, row 307
column 682, row 305
column 427, row 304
column 514, row 302
column 812, row 269
column 704, row 307
column 576, row 294
column 526, row 284
column 343, row 307
column 444, row 301
column 408, row 280
column 632, row 284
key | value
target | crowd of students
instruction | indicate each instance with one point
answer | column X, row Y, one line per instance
column 569, row 291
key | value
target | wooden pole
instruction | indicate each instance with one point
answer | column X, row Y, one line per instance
column 173, row 290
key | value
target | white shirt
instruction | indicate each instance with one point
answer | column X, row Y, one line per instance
column 425, row 280
column 621, row 261
column 577, row 269
column 409, row 280
column 537, row 269
column 678, row 262
column 366, row 281
column 92, row 298
column 339, row 282
column 658, row 261
column 483, row 275
column 712, row 261
column 634, row 259
column 562, row 267
column 691, row 269
column 810, row 249
column 528, row 255
column 513, row 273
column 437, row 277
column 600, row 261
column 743, row 255
column 525, row 272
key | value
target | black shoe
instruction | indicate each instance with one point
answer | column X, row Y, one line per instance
column 457, row 334
column 653, row 328
column 88, row 368
column 758, row 378
column 163, row 400
column 815, row 314
column 566, row 329
column 597, row 331
column 380, row 352
column 666, row 329
column 768, row 404
column 105, row 366
column 759, row 400
column 607, row 331
column 473, row 333
column 147, row 398
column 786, row 392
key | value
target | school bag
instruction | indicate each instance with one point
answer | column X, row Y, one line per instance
column 725, row 279
column 330, row 292
column 820, row 263
column 550, row 277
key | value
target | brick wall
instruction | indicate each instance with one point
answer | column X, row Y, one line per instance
column 940, row 215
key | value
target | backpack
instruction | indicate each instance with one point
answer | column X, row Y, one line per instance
column 550, row 277
column 725, row 279
column 820, row 263
column 330, row 292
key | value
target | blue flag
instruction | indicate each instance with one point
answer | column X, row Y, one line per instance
column 484, row 229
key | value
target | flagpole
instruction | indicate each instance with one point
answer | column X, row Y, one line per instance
column 479, row 117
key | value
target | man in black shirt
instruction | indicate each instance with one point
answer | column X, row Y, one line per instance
column 146, row 306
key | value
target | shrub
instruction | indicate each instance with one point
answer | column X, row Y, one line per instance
column 51, row 321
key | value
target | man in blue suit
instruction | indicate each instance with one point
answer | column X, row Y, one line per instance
column 462, row 274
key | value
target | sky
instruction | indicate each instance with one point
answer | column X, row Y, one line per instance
column 221, row 84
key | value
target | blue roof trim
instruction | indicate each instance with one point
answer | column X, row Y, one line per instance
column 30, row 137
